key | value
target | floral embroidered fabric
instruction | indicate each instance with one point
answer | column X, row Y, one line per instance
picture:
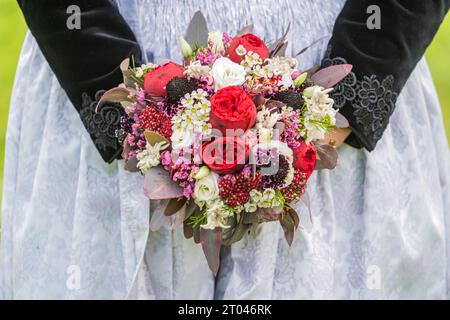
column 101, row 125
column 372, row 100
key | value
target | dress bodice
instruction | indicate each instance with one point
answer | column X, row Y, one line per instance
column 158, row 23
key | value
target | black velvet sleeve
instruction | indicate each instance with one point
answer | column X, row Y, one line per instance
column 382, row 59
column 86, row 60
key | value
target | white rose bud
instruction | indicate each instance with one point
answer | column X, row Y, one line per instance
column 186, row 49
column 216, row 39
column 227, row 73
column 207, row 188
column 202, row 173
column 300, row 79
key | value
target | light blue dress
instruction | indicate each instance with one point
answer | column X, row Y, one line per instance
column 74, row 227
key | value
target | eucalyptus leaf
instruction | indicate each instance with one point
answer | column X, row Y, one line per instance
column 188, row 231
column 341, row 121
column 127, row 73
column 191, row 208
column 237, row 234
column 131, row 165
column 158, row 185
column 114, row 95
column 327, row 156
column 157, row 217
column 330, row 76
column 153, row 137
column 289, row 222
column 197, row 32
column 311, row 45
column 245, row 30
column 178, row 218
column 174, row 206
column 211, row 241
column 280, row 43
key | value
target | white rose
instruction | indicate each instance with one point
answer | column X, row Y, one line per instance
column 182, row 138
column 227, row 73
column 216, row 39
column 207, row 188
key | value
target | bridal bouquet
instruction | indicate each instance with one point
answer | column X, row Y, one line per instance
column 228, row 139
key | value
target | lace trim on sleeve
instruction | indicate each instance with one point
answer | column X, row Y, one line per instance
column 372, row 100
column 101, row 125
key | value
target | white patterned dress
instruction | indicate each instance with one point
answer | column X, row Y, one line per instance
column 74, row 227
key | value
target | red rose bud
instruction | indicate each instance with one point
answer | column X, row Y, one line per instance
column 155, row 81
column 232, row 108
column 251, row 43
column 225, row 155
column 305, row 158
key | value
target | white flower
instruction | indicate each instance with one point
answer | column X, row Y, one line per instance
column 186, row 49
column 250, row 207
column 319, row 113
column 240, row 50
column 217, row 214
column 202, row 173
column 216, row 40
column 150, row 156
column 197, row 70
column 284, row 67
column 182, row 138
column 227, row 73
column 207, row 188
column 139, row 72
column 265, row 135
column 255, row 195
column 267, row 119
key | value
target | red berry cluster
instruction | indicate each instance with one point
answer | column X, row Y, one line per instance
column 235, row 188
column 151, row 119
column 296, row 189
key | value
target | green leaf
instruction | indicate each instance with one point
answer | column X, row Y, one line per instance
column 197, row 32
column 211, row 241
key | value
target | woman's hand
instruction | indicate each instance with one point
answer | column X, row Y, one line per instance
column 337, row 136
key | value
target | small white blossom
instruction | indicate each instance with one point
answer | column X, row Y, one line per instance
column 217, row 214
column 240, row 50
column 215, row 39
column 197, row 70
column 182, row 138
column 150, row 156
column 319, row 113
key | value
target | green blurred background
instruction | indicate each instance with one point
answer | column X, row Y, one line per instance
column 12, row 31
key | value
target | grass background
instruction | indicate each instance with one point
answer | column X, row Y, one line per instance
column 12, row 32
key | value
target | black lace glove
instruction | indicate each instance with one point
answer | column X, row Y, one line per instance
column 382, row 59
column 85, row 61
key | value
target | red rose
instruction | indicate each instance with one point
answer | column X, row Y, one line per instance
column 251, row 43
column 225, row 155
column 155, row 81
column 305, row 158
column 232, row 108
